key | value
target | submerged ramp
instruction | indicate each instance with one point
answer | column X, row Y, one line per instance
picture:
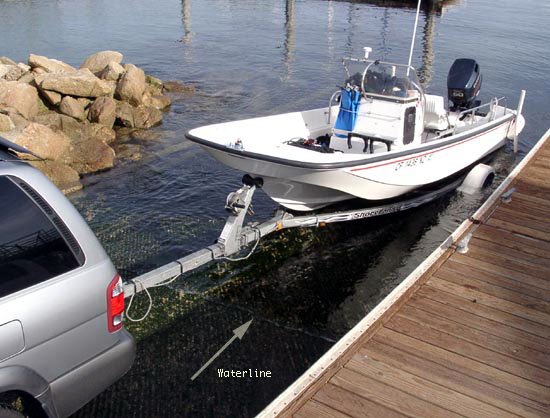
column 466, row 334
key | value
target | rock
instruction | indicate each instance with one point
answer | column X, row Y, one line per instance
column 103, row 111
column 101, row 132
column 19, row 121
column 52, row 97
column 160, row 102
column 5, row 68
column 90, row 156
column 6, row 124
column 48, row 64
column 42, row 106
column 19, row 96
column 144, row 135
column 74, row 130
column 38, row 71
column 151, row 90
column 129, row 151
column 112, row 72
column 71, row 107
column 153, row 81
column 14, row 74
column 84, row 101
column 97, row 62
column 7, row 61
column 178, row 87
column 24, row 67
column 146, row 117
column 27, row 78
column 63, row 176
column 81, row 83
column 43, row 141
column 131, row 85
column 125, row 114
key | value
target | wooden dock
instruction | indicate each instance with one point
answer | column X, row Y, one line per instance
column 466, row 334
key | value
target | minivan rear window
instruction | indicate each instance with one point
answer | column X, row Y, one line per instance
column 32, row 249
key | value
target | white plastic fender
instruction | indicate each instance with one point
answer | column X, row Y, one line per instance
column 479, row 177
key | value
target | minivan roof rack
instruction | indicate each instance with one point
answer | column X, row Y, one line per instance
column 8, row 145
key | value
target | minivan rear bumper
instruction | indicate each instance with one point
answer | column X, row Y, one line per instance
column 72, row 390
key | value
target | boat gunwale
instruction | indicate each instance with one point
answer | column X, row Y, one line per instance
column 354, row 163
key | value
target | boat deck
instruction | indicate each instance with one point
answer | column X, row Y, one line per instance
column 466, row 334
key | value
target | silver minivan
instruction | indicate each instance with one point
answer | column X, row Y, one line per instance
column 62, row 340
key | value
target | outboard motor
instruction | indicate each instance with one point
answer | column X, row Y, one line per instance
column 464, row 83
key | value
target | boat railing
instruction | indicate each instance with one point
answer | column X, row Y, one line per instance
column 493, row 106
column 332, row 99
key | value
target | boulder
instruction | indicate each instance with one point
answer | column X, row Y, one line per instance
column 84, row 101
column 112, row 72
column 125, row 114
column 27, row 78
column 82, row 83
column 5, row 68
column 6, row 124
column 103, row 111
column 63, row 176
column 49, row 65
column 24, row 67
column 146, row 117
column 90, row 156
column 132, row 152
column 178, row 87
column 97, row 62
column 52, row 97
column 14, row 74
column 131, row 85
column 101, row 132
column 71, row 107
column 74, row 130
column 158, row 102
column 43, row 141
column 19, row 96
column 6, row 60
column 19, row 121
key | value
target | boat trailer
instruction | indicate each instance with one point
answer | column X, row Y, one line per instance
column 235, row 236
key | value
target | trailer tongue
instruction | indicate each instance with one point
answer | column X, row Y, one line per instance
column 236, row 236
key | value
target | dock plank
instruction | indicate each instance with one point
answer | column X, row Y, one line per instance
column 517, row 242
column 388, row 396
column 462, row 347
column 319, row 410
column 466, row 317
column 472, row 305
column 452, row 379
column 474, row 282
column 424, row 389
column 521, row 352
column 502, row 271
column 498, row 280
column 494, row 302
column 348, row 403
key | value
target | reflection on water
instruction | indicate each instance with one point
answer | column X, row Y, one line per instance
column 304, row 288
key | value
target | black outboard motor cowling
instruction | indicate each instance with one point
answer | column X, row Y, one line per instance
column 464, row 83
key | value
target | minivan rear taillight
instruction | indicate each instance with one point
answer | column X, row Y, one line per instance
column 115, row 304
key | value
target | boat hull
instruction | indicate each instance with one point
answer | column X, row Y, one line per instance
column 307, row 187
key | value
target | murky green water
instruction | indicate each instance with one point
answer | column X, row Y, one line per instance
column 304, row 288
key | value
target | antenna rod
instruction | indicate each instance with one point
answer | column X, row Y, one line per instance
column 414, row 36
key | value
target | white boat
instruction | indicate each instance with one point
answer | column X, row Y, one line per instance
column 384, row 139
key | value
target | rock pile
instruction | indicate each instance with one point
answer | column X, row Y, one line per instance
column 67, row 115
